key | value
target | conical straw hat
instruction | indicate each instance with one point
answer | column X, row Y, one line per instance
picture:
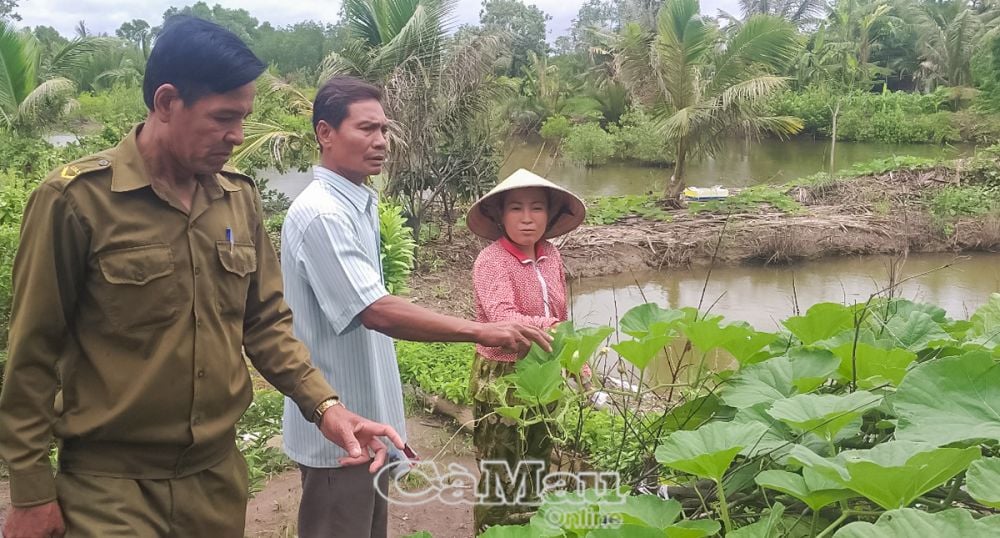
column 566, row 210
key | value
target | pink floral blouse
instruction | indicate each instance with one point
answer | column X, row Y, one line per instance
column 510, row 286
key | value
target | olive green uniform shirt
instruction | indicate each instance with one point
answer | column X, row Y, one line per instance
column 140, row 311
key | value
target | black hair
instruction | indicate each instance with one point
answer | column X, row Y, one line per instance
column 339, row 93
column 198, row 57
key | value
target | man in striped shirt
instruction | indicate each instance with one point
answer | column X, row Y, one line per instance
column 333, row 283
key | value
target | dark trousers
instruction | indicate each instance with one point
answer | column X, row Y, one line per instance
column 343, row 502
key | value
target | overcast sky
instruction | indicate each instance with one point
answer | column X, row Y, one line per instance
column 107, row 15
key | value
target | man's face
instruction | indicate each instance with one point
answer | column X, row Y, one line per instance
column 204, row 133
column 356, row 149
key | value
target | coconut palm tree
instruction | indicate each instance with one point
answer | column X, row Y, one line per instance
column 35, row 89
column 855, row 30
column 390, row 34
column 704, row 85
column 950, row 33
column 801, row 12
column 435, row 87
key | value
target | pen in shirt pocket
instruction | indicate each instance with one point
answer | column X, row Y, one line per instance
column 229, row 238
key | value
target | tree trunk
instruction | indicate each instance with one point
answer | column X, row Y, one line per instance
column 833, row 137
column 676, row 185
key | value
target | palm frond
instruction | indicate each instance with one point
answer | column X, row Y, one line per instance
column 763, row 41
column 128, row 76
column 264, row 137
column 45, row 94
column 419, row 41
column 751, row 91
column 75, row 55
column 18, row 65
column 354, row 59
column 295, row 100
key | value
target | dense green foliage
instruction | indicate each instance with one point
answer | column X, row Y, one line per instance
column 397, row 245
column 437, row 368
column 849, row 417
column 951, row 203
column 894, row 117
column 254, row 434
column 588, row 144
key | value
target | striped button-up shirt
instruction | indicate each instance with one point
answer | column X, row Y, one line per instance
column 332, row 272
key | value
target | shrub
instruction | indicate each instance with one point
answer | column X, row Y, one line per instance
column 589, row 145
column 555, row 128
column 954, row 202
column 259, row 424
column 120, row 107
column 397, row 247
column 895, row 117
column 636, row 138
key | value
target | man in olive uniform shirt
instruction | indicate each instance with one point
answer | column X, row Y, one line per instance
column 143, row 274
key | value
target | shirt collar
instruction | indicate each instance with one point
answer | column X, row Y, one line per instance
column 359, row 196
column 510, row 247
column 129, row 172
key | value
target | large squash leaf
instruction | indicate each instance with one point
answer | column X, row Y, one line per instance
column 893, row 474
column 950, row 400
column 983, row 481
column 911, row 523
column 708, row 451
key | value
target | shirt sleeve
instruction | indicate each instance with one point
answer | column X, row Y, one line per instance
column 267, row 333
column 495, row 294
column 343, row 278
column 48, row 274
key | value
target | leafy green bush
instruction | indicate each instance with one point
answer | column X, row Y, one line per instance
column 397, row 247
column 13, row 197
column 119, row 107
column 637, row 139
column 582, row 109
column 589, row 145
column 9, row 235
column 555, row 128
column 953, row 202
column 895, row 117
column 259, row 424
column 437, row 368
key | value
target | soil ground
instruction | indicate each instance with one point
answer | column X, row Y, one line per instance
column 272, row 512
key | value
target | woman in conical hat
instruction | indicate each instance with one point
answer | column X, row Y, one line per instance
column 519, row 277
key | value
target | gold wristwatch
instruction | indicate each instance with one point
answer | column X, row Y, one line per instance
column 323, row 407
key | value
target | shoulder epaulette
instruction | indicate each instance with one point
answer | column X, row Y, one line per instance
column 80, row 167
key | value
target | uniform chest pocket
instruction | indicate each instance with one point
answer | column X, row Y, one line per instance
column 239, row 261
column 140, row 286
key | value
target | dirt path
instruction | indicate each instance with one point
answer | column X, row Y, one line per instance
column 272, row 512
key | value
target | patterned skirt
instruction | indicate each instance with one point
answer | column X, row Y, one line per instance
column 500, row 439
